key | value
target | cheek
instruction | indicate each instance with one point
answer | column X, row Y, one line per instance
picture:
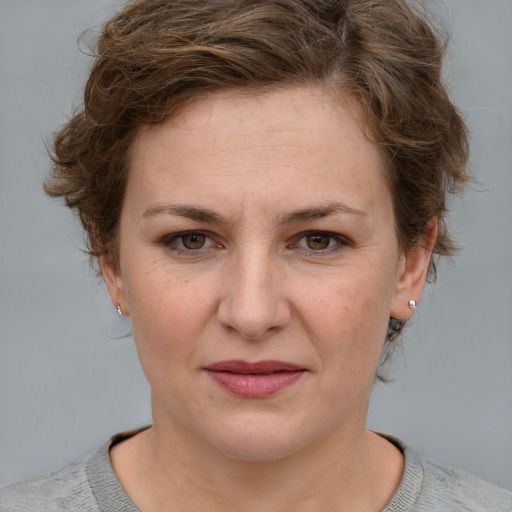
column 169, row 311
column 348, row 316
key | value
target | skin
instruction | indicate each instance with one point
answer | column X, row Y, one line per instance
column 294, row 257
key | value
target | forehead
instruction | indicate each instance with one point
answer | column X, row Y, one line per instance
column 315, row 110
column 285, row 144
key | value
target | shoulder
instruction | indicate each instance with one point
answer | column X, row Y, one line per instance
column 427, row 486
column 88, row 485
column 456, row 490
column 62, row 490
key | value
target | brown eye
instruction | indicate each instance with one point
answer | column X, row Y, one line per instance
column 318, row 241
column 193, row 241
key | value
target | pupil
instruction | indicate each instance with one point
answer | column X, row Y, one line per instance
column 317, row 242
column 194, row 241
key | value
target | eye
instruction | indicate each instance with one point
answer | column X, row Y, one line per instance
column 188, row 241
column 320, row 241
column 193, row 241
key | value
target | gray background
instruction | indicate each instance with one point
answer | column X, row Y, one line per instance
column 67, row 379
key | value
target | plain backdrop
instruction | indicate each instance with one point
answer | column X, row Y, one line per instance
column 68, row 377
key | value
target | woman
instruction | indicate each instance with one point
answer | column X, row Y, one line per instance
column 263, row 187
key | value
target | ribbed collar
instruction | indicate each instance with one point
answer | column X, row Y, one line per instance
column 111, row 496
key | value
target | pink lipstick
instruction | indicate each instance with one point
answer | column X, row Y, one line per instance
column 254, row 380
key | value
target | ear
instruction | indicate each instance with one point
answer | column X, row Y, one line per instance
column 412, row 273
column 115, row 285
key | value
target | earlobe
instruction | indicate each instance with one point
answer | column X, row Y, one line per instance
column 413, row 269
column 115, row 286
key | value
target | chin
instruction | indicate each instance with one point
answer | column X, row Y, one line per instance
column 259, row 439
column 257, row 450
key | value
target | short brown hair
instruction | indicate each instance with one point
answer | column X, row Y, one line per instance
column 155, row 56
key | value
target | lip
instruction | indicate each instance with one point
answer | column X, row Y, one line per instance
column 259, row 379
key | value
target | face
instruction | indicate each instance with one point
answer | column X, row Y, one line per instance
column 259, row 264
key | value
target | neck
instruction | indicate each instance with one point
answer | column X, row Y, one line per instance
column 163, row 470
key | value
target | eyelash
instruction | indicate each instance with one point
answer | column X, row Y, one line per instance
column 171, row 242
column 339, row 242
column 174, row 242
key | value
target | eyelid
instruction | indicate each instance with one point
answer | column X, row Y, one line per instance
column 341, row 241
column 169, row 239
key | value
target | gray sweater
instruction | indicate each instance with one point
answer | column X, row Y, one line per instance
column 90, row 485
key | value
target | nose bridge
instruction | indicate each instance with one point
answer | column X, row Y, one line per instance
column 254, row 303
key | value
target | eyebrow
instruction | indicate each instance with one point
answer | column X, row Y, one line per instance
column 189, row 212
column 209, row 216
column 319, row 213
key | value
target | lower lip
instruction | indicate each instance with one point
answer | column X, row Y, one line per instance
column 255, row 385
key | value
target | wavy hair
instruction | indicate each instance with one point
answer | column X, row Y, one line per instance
column 156, row 56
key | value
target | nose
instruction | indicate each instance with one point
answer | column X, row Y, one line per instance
column 254, row 304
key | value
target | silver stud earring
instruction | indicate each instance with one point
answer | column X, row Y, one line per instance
column 412, row 304
column 119, row 310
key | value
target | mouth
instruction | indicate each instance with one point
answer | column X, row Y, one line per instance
column 261, row 379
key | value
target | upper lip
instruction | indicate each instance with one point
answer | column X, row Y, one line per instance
column 247, row 368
